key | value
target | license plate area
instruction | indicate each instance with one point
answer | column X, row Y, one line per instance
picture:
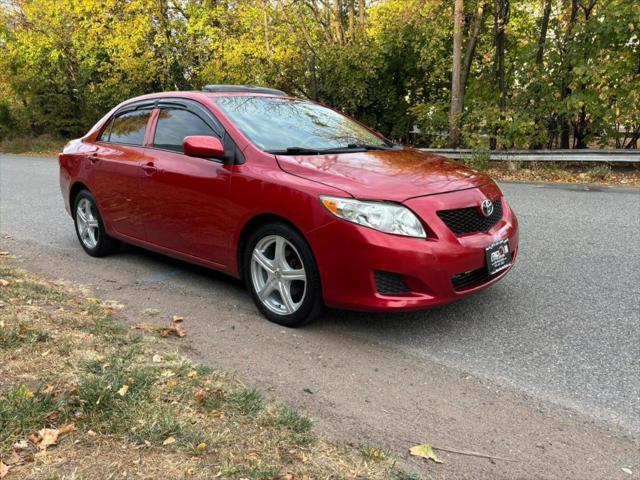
column 498, row 256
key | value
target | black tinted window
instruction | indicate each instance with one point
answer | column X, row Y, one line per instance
column 174, row 125
column 130, row 127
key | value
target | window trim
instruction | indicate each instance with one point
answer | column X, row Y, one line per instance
column 112, row 121
column 208, row 117
column 189, row 104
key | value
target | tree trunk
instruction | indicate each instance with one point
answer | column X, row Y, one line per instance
column 543, row 32
column 471, row 50
column 352, row 18
column 454, row 113
column 337, row 14
column 501, row 19
column 565, row 127
column 581, row 131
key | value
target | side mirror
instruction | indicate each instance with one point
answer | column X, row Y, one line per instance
column 202, row 146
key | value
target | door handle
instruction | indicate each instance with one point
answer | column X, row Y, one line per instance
column 149, row 168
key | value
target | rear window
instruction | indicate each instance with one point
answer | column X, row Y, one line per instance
column 128, row 128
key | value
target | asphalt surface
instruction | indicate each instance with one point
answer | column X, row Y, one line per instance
column 563, row 326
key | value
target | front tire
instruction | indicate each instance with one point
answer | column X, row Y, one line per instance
column 90, row 227
column 281, row 275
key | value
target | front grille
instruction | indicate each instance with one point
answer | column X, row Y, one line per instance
column 391, row 283
column 462, row 281
column 470, row 220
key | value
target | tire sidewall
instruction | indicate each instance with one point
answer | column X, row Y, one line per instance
column 312, row 304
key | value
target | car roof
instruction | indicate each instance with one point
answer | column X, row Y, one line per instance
column 200, row 94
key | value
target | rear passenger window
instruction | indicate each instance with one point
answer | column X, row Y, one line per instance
column 129, row 128
column 174, row 125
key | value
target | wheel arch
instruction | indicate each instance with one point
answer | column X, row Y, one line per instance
column 251, row 226
column 75, row 189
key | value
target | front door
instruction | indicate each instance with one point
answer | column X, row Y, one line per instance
column 186, row 199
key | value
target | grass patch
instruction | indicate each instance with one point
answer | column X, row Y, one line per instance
column 14, row 336
column 292, row 420
column 65, row 359
column 246, row 402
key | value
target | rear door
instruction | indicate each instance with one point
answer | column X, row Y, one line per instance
column 186, row 199
column 117, row 169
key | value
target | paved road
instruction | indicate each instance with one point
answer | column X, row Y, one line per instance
column 563, row 326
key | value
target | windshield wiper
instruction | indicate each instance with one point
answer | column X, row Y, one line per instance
column 323, row 151
column 296, row 150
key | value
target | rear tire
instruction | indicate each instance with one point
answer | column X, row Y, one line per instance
column 281, row 275
column 90, row 227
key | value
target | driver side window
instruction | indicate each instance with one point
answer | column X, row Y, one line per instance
column 175, row 124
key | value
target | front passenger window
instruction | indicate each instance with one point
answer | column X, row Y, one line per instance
column 174, row 125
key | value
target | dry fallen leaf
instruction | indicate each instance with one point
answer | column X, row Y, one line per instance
column 3, row 470
column 200, row 394
column 68, row 428
column 157, row 358
column 4, row 283
column 425, row 451
column 4, row 254
column 13, row 459
column 52, row 415
column 173, row 329
column 177, row 319
column 169, row 441
column 123, row 390
column 20, row 445
column 47, row 437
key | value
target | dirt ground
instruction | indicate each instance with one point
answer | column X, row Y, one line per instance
column 364, row 393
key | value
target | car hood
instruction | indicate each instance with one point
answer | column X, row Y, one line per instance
column 394, row 175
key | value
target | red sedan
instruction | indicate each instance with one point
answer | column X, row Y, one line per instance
column 309, row 207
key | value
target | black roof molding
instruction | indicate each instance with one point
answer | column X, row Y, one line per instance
column 242, row 89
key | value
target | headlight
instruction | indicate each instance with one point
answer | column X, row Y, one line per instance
column 386, row 217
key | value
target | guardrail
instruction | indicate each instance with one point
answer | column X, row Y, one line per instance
column 596, row 156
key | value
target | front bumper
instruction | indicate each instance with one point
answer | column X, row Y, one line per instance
column 348, row 256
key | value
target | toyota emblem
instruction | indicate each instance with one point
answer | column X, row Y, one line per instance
column 486, row 207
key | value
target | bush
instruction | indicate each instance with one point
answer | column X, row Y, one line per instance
column 479, row 160
column 41, row 144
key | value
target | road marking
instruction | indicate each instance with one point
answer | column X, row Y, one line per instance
column 162, row 276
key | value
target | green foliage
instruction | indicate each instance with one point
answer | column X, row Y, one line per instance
column 479, row 160
column 65, row 63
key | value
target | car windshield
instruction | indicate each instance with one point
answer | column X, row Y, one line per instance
column 289, row 126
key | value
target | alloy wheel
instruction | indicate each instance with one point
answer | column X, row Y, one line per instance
column 87, row 223
column 278, row 275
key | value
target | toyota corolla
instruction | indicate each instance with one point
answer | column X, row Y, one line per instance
column 309, row 207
